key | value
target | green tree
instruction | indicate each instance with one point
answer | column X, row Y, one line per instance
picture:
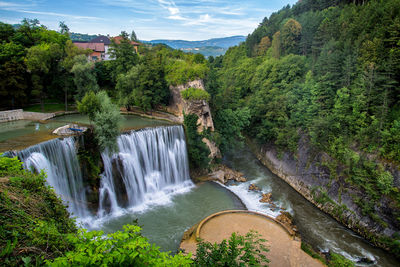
column 198, row 151
column 276, row 45
column 84, row 76
column 290, row 36
column 124, row 55
column 41, row 61
column 134, row 36
column 89, row 105
column 230, row 125
column 106, row 117
column 144, row 85
column 263, row 46
column 107, row 123
column 66, row 65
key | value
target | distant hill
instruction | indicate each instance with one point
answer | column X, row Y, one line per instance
column 211, row 47
column 83, row 37
column 225, row 42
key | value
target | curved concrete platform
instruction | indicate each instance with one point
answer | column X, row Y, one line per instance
column 283, row 245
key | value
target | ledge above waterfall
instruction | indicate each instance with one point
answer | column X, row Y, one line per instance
column 69, row 129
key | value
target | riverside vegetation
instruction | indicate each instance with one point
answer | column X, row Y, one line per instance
column 327, row 71
column 324, row 70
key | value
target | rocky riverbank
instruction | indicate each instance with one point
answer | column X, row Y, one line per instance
column 306, row 172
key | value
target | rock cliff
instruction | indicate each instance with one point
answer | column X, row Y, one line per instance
column 308, row 174
column 178, row 106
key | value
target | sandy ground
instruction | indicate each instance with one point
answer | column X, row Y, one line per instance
column 284, row 250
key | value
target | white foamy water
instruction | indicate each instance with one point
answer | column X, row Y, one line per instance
column 151, row 165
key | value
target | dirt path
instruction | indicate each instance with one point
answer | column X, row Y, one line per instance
column 284, row 250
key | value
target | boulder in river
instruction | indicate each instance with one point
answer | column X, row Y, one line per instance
column 223, row 174
column 266, row 198
column 253, row 187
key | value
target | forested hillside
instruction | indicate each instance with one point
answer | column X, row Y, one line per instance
column 328, row 71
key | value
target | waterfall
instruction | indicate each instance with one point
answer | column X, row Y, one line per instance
column 58, row 158
column 150, row 165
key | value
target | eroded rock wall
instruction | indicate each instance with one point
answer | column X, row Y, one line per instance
column 306, row 172
column 178, row 106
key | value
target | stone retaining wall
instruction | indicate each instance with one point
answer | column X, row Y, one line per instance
column 11, row 115
column 19, row 114
column 37, row 116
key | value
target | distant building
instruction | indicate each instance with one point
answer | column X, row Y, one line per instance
column 104, row 40
column 100, row 47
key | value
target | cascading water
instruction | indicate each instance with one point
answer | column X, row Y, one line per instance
column 58, row 158
column 151, row 164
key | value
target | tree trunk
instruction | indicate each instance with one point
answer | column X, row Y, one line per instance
column 66, row 99
column 42, row 102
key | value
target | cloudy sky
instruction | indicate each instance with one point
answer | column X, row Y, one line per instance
column 151, row 19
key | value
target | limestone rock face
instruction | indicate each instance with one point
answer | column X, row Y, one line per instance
column 176, row 102
column 178, row 106
column 214, row 151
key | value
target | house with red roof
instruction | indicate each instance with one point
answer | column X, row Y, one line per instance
column 100, row 47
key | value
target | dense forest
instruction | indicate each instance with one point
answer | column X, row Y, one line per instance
column 328, row 71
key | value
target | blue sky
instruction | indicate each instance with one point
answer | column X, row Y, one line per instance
column 151, row 19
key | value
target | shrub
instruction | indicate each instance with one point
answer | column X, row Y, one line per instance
column 240, row 250
column 197, row 150
column 33, row 221
column 195, row 94
column 122, row 248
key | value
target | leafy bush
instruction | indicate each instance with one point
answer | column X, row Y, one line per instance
column 106, row 116
column 180, row 71
column 9, row 165
column 195, row 94
column 197, row 150
column 122, row 248
column 240, row 250
column 33, row 221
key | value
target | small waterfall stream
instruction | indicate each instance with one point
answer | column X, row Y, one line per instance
column 150, row 165
column 58, row 158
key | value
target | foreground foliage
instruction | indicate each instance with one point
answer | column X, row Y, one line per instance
column 34, row 223
column 122, row 248
column 248, row 250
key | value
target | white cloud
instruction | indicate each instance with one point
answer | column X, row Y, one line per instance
column 177, row 17
column 173, row 10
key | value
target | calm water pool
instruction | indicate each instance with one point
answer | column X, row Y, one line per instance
column 17, row 135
